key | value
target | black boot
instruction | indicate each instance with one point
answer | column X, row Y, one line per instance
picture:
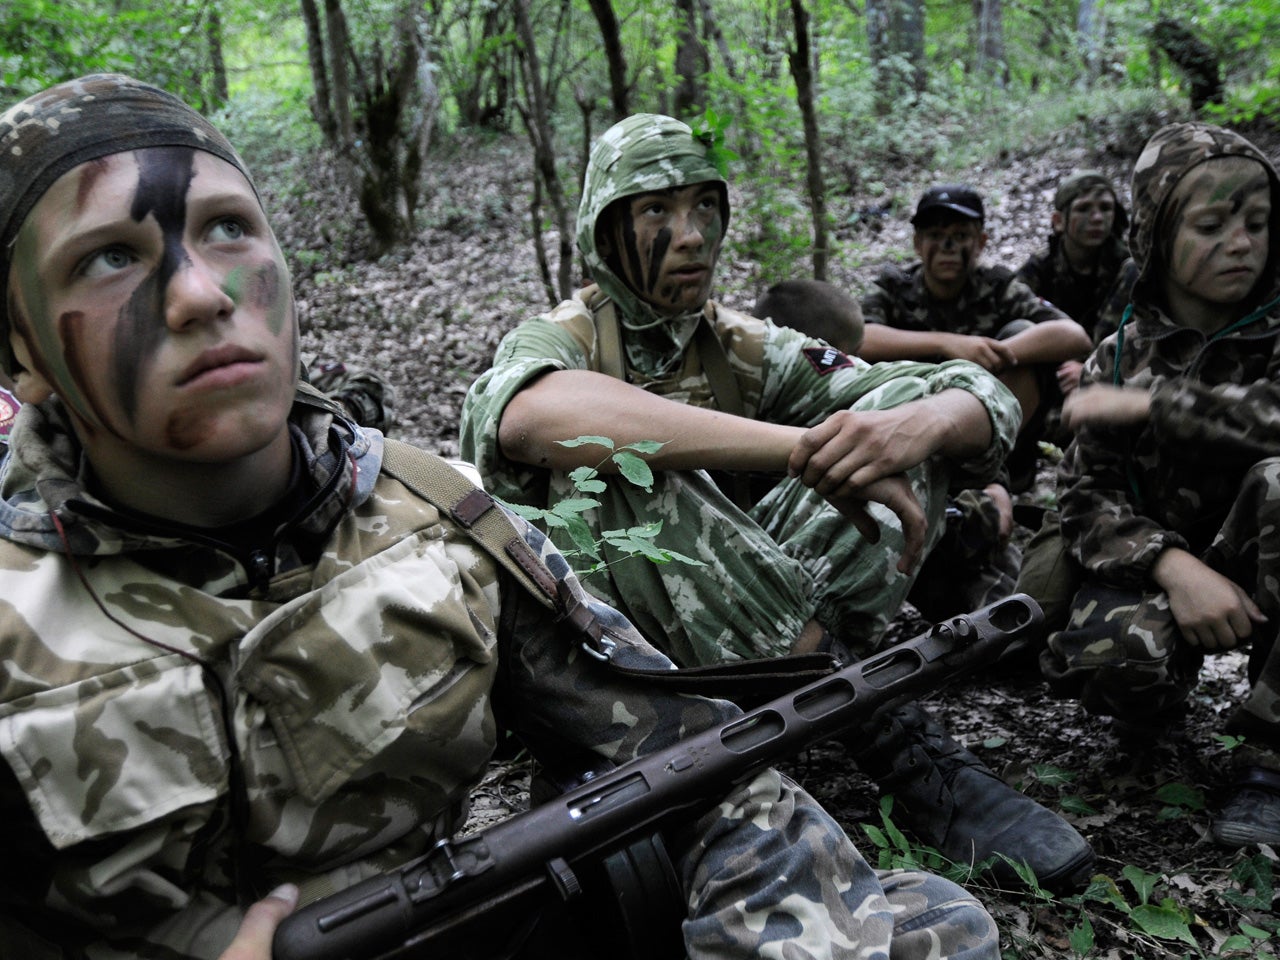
column 951, row 801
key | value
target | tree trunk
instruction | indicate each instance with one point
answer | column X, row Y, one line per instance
column 335, row 22
column 611, row 37
column 711, row 28
column 895, row 37
column 691, row 63
column 988, row 17
column 538, row 125
column 217, row 64
column 322, row 101
column 799, row 57
column 1089, row 37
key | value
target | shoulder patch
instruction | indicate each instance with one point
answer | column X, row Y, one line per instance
column 825, row 359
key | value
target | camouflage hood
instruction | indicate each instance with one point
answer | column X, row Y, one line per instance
column 641, row 153
column 1171, row 153
column 44, row 476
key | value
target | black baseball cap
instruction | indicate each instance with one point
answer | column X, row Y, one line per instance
column 956, row 198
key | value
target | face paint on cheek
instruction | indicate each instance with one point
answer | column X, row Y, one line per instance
column 628, row 244
column 164, row 176
column 87, row 405
column 264, row 292
column 657, row 253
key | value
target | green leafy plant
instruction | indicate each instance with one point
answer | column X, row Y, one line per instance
column 567, row 513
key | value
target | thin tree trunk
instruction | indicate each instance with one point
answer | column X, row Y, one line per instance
column 336, row 32
column 322, row 101
column 799, row 57
column 538, row 125
column 219, row 66
column 711, row 28
column 691, row 63
column 989, row 18
column 611, row 37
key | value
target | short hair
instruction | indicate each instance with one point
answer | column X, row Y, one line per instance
column 816, row 308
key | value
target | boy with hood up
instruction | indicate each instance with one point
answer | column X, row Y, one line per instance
column 1170, row 494
column 249, row 646
column 1085, row 264
column 825, row 559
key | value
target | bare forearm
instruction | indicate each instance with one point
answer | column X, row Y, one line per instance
column 565, row 404
column 962, row 423
column 1051, row 342
column 880, row 343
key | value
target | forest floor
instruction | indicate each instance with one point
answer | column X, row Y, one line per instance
column 428, row 318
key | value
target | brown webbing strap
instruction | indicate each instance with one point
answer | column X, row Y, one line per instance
column 439, row 483
column 715, row 364
column 436, row 481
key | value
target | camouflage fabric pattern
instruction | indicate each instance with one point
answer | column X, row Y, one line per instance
column 45, row 135
column 991, row 299
column 643, row 152
column 1129, row 492
column 1082, row 296
column 366, row 397
column 1168, row 156
column 357, row 715
column 794, row 556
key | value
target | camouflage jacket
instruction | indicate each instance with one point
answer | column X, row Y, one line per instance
column 992, row 297
column 760, row 591
column 1128, row 492
column 183, row 726
column 1082, row 296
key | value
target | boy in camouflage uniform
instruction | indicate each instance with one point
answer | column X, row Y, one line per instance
column 1170, row 494
column 1082, row 260
column 826, row 557
column 202, row 701
column 949, row 305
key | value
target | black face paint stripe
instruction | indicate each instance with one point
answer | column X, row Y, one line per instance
column 630, row 249
column 661, row 243
column 164, row 177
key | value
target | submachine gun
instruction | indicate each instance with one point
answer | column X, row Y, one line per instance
column 442, row 904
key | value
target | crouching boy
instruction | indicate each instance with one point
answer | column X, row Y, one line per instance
column 1170, row 495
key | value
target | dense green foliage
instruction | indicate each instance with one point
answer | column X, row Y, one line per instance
column 1052, row 72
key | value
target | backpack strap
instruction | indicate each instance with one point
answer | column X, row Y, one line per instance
column 715, row 364
column 435, row 480
column 440, row 483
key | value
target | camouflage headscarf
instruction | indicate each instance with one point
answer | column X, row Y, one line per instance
column 1171, row 153
column 50, row 132
column 641, row 153
column 1082, row 181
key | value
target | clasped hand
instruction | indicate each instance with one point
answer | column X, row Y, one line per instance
column 856, row 458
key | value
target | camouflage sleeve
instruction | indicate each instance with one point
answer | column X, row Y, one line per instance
column 1020, row 302
column 878, row 301
column 535, row 347
column 1100, row 521
column 1036, row 272
column 801, row 388
column 563, row 702
column 1231, row 423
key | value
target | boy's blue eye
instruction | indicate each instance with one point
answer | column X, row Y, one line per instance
column 105, row 261
column 228, row 228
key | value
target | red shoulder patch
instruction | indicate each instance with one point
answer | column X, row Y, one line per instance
column 825, row 359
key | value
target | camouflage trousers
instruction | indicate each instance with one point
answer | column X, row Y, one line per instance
column 1121, row 652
